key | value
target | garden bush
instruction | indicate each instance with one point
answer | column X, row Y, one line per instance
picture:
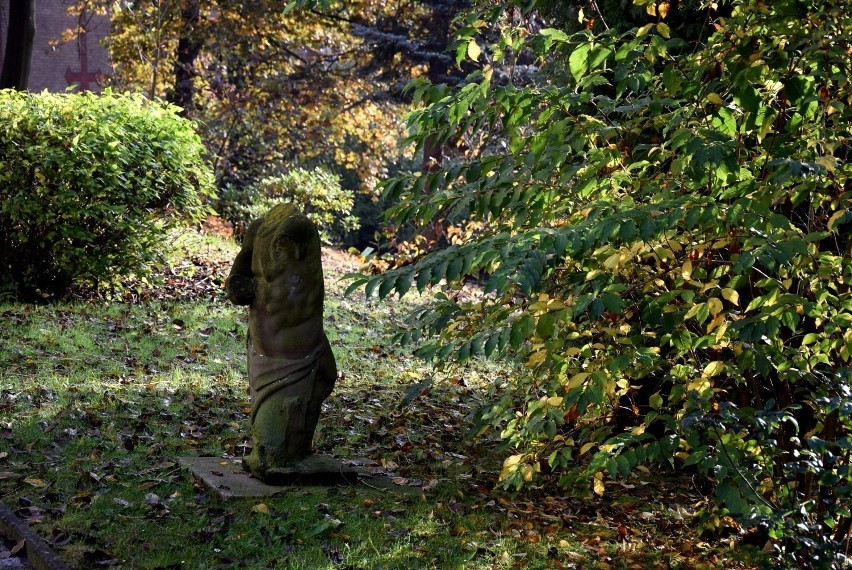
column 89, row 185
column 317, row 193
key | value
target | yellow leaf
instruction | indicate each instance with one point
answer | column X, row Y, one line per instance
column 832, row 221
column 537, row 358
column 586, row 447
column 693, row 310
column 554, row 401
column 717, row 321
column 35, row 482
column 713, row 368
column 715, row 99
column 699, row 385
column 686, row 269
column 576, row 380
column 644, row 30
column 613, row 261
column 512, row 460
column 720, row 332
column 731, row 296
column 510, row 465
column 714, row 305
column 261, row 508
column 599, row 484
column 663, row 9
column 473, row 50
column 663, row 30
column 651, row 9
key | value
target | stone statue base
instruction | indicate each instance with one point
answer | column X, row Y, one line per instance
column 230, row 479
column 313, row 470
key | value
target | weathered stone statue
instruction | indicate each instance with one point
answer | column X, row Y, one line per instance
column 278, row 274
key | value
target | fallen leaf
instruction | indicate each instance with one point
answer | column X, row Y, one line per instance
column 261, row 508
column 458, row 530
column 19, row 546
column 35, row 482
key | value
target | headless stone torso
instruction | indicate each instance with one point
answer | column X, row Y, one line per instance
column 286, row 312
column 278, row 274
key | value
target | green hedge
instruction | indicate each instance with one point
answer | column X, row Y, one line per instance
column 89, row 184
column 317, row 193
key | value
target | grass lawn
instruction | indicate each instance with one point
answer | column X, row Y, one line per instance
column 99, row 399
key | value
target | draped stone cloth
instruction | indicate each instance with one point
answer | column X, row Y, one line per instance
column 268, row 375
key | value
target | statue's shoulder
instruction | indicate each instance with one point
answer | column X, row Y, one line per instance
column 279, row 213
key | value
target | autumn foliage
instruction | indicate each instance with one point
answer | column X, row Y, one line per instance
column 663, row 233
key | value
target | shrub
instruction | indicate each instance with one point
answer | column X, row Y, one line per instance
column 667, row 249
column 88, row 186
column 317, row 193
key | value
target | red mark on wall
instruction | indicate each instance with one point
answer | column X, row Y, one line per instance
column 83, row 77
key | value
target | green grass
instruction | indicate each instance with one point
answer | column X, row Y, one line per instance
column 99, row 399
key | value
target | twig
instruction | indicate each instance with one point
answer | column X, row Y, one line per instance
column 763, row 499
column 598, row 10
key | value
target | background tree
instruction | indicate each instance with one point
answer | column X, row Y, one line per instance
column 20, row 33
column 269, row 90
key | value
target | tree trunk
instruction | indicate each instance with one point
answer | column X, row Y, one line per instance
column 19, row 45
column 187, row 51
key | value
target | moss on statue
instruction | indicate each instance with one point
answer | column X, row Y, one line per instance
column 278, row 274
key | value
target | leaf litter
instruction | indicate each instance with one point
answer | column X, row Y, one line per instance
column 98, row 402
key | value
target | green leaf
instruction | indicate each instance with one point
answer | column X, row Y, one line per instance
column 598, row 56
column 371, row 285
column 578, row 61
column 725, row 122
column 386, row 287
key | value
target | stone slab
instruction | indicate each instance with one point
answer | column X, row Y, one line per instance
column 39, row 555
column 229, row 479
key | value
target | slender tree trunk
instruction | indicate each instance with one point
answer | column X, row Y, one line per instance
column 19, row 45
column 188, row 49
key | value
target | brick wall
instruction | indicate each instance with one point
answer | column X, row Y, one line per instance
column 54, row 62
